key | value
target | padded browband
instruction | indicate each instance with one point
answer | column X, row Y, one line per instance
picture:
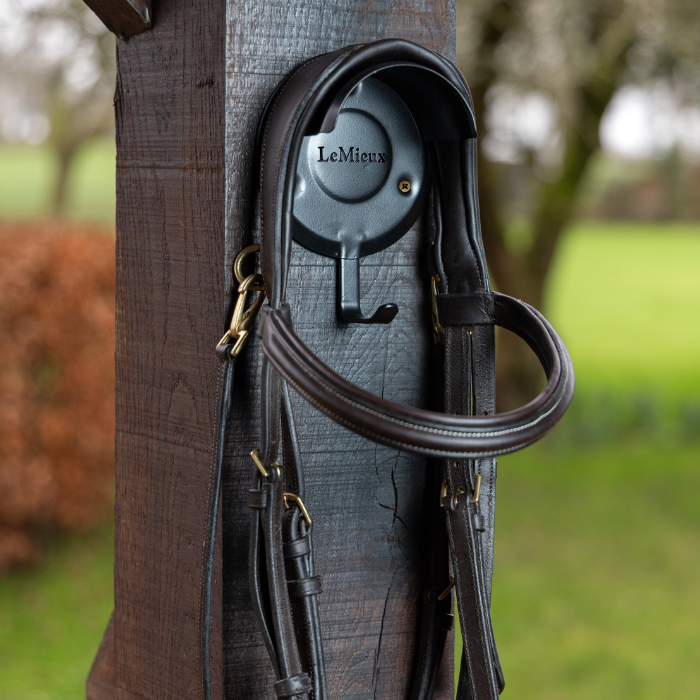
column 418, row 430
column 301, row 104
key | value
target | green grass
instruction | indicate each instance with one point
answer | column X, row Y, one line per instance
column 52, row 619
column 27, row 175
column 626, row 300
column 596, row 573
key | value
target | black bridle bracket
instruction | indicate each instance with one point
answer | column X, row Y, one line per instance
column 360, row 187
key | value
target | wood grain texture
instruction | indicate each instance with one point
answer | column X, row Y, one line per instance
column 366, row 500
column 189, row 96
column 100, row 681
column 124, row 18
column 170, row 311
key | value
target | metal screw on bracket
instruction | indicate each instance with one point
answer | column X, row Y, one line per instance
column 405, row 186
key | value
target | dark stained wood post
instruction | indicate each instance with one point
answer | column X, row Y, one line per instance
column 190, row 92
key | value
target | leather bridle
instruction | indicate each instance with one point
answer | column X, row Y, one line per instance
column 461, row 440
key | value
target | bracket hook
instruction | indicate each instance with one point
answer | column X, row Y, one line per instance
column 349, row 296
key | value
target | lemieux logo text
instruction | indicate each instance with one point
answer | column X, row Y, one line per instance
column 352, row 155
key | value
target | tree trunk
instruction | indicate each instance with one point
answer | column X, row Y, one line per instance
column 65, row 154
column 524, row 274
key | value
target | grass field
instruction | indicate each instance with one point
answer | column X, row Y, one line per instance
column 52, row 619
column 595, row 592
column 598, row 529
column 626, row 300
column 27, row 175
column 596, row 573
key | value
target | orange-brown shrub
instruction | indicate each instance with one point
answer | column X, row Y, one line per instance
column 56, row 382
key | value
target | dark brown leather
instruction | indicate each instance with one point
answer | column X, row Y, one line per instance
column 257, row 499
column 300, row 588
column 307, row 94
column 294, row 686
column 465, row 309
column 430, row 432
column 283, row 632
column 224, row 389
column 469, row 390
column 284, row 589
column 297, row 548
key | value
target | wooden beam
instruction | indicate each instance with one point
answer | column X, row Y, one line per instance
column 189, row 96
column 124, row 18
column 170, row 304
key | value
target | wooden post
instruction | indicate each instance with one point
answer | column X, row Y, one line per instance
column 189, row 96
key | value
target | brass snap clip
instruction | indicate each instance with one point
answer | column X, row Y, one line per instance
column 238, row 266
column 243, row 318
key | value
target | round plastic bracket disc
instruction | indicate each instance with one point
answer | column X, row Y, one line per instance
column 359, row 186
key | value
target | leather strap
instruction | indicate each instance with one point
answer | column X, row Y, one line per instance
column 465, row 309
column 315, row 91
column 226, row 387
column 284, row 587
column 481, row 676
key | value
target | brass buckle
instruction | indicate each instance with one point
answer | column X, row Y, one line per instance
column 475, row 495
column 477, row 489
column 255, row 454
column 300, row 503
column 446, row 592
column 438, row 328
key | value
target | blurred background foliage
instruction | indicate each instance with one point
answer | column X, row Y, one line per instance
column 553, row 81
column 589, row 122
